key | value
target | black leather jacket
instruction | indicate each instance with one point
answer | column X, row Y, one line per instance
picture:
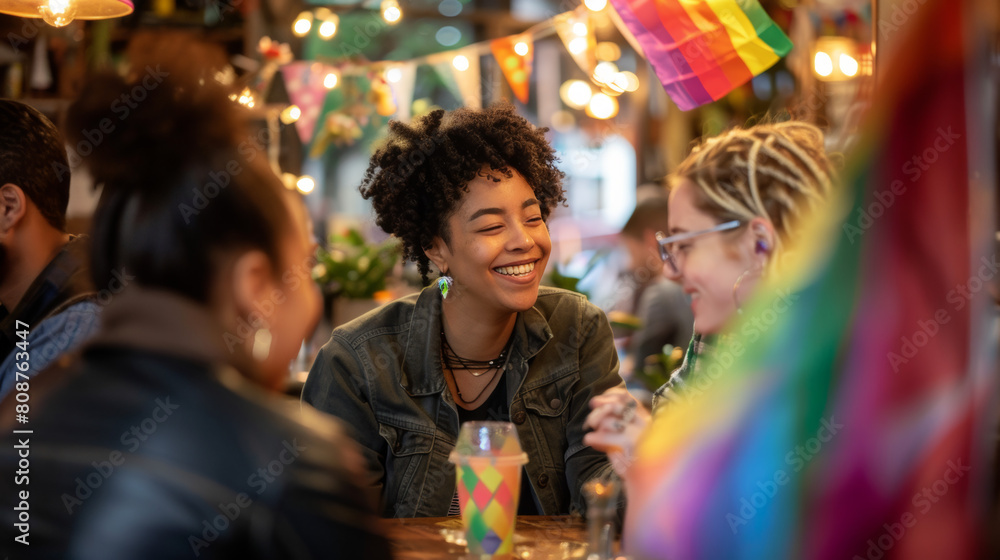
column 151, row 446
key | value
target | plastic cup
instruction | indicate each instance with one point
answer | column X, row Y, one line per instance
column 488, row 461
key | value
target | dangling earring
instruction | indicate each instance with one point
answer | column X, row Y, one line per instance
column 444, row 284
column 261, row 344
column 736, row 290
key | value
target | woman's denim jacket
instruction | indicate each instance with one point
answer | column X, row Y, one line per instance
column 381, row 373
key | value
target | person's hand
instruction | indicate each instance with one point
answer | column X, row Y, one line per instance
column 617, row 421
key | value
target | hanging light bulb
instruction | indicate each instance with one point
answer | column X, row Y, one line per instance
column 328, row 28
column 848, row 65
column 302, row 24
column 823, row 64
column 580, row 29
column 602, row 106
column 246, row 98
column 632, row 81
column 607, row 51
column 390, row 11
column 595, row 5
column 605, row 72
column 330, row 81
column 575, row 93
column 58, row 13
column 393, row 74
column 305, row 184
column 521, row 48
column 578, row 45
column 618, row 83
column 460, row 62
column 290, row 114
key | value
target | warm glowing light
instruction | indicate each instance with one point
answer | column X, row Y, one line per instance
column 632, row 81
column 330, row 81
column 393, row 75
column 823, row 64
column 246, row 98
column 618, row 82
column 602, row 106
column 305, row 184
column 58, row 13
column 390, row 11
column 595, row 5
column 578, row 45
column 290, row 114
column 302, row 24
column 460, row 62
column 607, row 51
column 848, row 65
column 580, row 29
column 328, row 28
column 605, row 72
column 521, row 48
column 575, row 93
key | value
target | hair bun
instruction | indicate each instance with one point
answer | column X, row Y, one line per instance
column 145, row 130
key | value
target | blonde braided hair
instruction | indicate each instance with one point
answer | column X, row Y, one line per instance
column 778, row 171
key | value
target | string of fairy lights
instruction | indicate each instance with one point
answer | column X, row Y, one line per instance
column 609, row 81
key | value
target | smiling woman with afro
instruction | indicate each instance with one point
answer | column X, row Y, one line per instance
column 470, row 191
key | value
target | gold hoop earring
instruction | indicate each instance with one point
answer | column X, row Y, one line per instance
column 739, row 282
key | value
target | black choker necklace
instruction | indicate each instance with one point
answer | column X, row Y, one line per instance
column 455, row 362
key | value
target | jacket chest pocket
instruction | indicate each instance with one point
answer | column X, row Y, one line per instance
column 551, row 399
column 548, row 408
column 405, row 464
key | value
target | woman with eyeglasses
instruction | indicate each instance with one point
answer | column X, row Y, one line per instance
column 734, row 207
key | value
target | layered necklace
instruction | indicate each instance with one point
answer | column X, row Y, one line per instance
column 454, row 363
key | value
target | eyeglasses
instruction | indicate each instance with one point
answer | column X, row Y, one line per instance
column 666, row 253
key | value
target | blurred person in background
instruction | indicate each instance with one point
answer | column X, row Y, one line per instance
column 734, row 208
column 470, row 191
column 661, row 307
column 164, row 438
column 45, row 288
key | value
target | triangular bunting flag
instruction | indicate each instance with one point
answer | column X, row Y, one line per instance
column 304, row 82
column 578, row 37
column 515, row 55
column 443, row 69
column 402, row 90
column 465, row 69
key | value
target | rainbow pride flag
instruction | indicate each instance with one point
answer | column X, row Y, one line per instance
column 858, row 423
column 703, row 49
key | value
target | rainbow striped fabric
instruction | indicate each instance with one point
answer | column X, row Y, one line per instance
column 703, row 49
column 849, row 413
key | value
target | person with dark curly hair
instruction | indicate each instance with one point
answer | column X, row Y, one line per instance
column 470, row 192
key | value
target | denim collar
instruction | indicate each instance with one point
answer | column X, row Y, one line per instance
column 422, row 357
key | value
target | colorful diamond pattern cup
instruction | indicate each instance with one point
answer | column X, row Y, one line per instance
column 488, row 461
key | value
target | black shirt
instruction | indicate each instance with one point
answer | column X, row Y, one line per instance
column 496, row 409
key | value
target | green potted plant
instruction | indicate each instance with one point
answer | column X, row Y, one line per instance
column 352, row 272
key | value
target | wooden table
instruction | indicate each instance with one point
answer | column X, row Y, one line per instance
column 535, row 538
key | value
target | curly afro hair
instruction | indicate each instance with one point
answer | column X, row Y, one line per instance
column 417, row 179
